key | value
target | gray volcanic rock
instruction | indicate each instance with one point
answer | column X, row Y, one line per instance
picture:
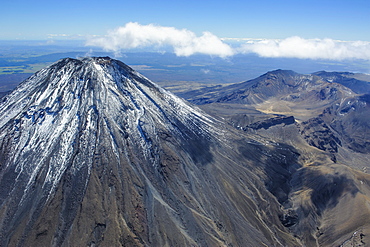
column 351, row 119
column 94, row 154
column 265, row 124
column 319, row 135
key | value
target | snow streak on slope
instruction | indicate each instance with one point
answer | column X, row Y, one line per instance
column 60, row 108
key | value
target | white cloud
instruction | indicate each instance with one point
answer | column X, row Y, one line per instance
column 183, row 42
column 296, row 47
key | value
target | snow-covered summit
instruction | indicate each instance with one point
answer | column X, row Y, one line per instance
column 62, row 118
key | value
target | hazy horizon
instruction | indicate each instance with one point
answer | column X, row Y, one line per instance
column 333, row 30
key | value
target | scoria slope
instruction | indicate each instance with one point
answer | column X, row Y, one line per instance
column 94, row 154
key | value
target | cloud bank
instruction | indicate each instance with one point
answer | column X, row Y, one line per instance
column 186, row 43
column 296, row 47
column 183, row 42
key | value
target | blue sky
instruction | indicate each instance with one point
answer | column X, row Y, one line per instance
column 340, row 19
column 304, row 29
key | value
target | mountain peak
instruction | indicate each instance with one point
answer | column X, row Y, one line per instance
column 59, row 120
column 94, row 154
column 110, row 158
column 280, row 73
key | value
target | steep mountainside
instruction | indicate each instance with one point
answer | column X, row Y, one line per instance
column 94, row 154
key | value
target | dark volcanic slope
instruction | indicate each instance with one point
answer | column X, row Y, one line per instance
column 351, row 120
column 92, row 153
column 328, row 124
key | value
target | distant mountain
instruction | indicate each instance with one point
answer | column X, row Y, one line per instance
column 285, row 84
column 92, row 153
column 323, row 103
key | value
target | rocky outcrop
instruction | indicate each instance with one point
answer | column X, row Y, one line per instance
column 265, row 124
column 318, row 134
